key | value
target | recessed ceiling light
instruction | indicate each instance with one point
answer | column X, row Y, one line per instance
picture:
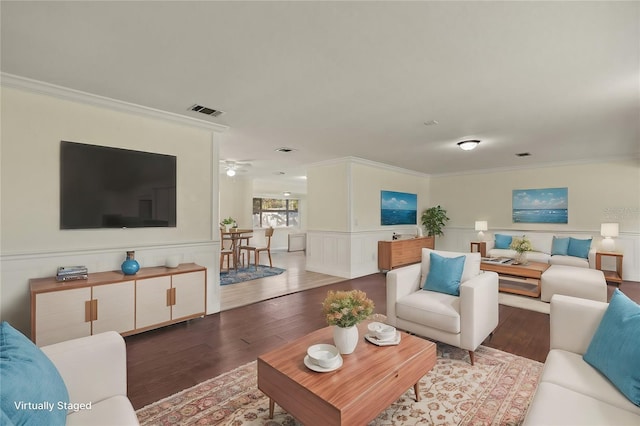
column 231, row 172
column 286, row 193
column 468, row 145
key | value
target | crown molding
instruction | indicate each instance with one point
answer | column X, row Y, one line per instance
column 35, row 86
column 370, row 163
column 635, row 158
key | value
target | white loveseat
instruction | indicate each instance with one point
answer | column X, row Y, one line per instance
column 463, row 321
column 542, row 244
column 571, row 392
column 94, row 370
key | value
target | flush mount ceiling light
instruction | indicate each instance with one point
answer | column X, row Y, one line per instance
column 231, row 172
column 468, row 145
column 286, row 193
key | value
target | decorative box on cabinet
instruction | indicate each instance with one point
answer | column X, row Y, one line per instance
column 393, row 254
column 128, row 304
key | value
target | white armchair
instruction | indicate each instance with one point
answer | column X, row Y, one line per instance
column 94, row 370
column 464, row 321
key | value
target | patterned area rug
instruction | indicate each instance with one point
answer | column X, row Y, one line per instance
column 495, row 391
column 247, row 274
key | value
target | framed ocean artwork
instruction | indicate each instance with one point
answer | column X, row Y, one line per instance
column 544, row 205
column 398, row 208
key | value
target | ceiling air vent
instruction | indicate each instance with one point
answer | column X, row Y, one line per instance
column 523, row 154
column 205, row 110
column 285, row 149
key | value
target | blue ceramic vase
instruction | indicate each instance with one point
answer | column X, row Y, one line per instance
column 131, row 265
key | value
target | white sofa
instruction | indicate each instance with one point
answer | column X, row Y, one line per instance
column 570, row 391
column 542, row 243
column 94, row 370
column 463, row 321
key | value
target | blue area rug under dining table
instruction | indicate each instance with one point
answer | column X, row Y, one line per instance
column 247, row 274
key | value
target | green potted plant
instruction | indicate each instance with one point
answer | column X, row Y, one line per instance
column 227, row 223
column 433, row 220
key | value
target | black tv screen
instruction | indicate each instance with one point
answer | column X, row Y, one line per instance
column 103, row 187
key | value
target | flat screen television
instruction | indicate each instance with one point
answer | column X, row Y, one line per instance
column 104, row 187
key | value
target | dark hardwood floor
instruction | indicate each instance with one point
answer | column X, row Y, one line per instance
column 167, row 360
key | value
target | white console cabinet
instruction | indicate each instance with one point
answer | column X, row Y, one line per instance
column 128, row 304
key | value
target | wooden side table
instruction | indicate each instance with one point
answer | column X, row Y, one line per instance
column 613, row 276
column 479, row 246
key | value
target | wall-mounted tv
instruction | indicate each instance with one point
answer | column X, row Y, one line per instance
column 104, row 187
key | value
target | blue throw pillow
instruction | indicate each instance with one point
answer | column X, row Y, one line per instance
column 579, row 248
column 444, row 274
column 31, row 385
column 615, row 347
column 560, row 246
column 503, row 241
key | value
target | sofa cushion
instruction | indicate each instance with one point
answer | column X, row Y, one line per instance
column 116, row 410
column 579, row 248
column 28, row 376
column 569, row 370
column 619, row 329
column 444, row 274
column 537, row 256
column 471, row 263
column 541, row 242
column 569, row 261
column 503, row 241
column 554, row 405
column 560, row 246
column 439, row 310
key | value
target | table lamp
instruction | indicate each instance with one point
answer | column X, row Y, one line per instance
column 481, row 225
column 608, row 231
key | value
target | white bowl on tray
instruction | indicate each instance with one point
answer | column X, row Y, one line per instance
column 323, row 355
column 382, row 332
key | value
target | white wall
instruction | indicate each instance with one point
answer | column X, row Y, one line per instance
column 33, row 124
column 344, row 203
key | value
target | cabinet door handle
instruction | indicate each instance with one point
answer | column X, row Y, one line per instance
column 169, row 296
column 173, row 296
column 94, row 310
column 87, row 311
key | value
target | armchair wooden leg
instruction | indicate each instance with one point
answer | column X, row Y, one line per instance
column 471, row 357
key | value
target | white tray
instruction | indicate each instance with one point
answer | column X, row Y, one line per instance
column 373, row 339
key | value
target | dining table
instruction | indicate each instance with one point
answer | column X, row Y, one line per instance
column 236, row 235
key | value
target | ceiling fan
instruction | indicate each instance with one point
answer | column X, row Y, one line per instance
column 232, row 167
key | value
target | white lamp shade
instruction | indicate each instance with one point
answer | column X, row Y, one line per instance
column 481, row 225
column 609, row 230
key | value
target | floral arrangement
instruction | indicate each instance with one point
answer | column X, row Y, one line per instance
column 346, row 308
column 521, row 245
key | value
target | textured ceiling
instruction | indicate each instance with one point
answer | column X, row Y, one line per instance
column 560, row 80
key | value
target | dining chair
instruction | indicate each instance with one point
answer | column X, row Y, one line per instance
column 226, row 252
column 257, row 249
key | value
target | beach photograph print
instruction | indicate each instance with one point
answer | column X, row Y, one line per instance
column 398, row 208
column 547, row 205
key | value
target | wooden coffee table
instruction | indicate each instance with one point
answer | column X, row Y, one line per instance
column 518, row 279
column 370, row 379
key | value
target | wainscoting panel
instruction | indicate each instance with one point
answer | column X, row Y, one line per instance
column 18, row 269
